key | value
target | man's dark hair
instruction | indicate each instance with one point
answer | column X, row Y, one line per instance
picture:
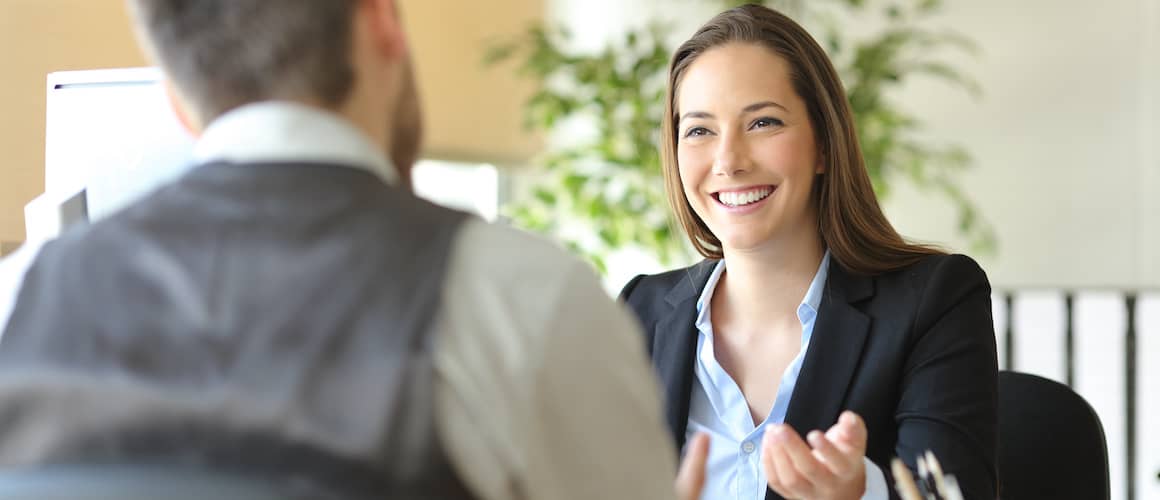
column 222, row 54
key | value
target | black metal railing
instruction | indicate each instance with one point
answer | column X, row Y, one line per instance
column 1131, row 355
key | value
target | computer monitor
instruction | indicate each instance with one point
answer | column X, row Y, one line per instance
column 112, row 137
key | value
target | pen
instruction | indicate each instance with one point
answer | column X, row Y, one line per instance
column 904, row 481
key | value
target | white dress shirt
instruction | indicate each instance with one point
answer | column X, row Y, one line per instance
column 718, row 407
column 543, row 389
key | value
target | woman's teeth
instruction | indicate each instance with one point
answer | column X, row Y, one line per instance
column 736, row 199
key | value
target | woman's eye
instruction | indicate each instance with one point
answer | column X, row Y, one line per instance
column 696, row 132
column 765, row 122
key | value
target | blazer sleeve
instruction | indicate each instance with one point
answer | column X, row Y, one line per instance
column 949, row 393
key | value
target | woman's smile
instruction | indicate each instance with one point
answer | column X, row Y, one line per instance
column 744, row 200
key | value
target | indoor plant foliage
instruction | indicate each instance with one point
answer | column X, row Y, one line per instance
column 605, row 192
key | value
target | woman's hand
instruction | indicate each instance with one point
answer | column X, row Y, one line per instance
column 829, row 468
column 691, row 477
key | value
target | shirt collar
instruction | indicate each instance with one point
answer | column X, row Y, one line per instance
column 278, row 131
column 807, row 310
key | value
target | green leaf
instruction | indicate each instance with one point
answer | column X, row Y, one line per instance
column 545, row 196
column 499, row 52
column 949, row 74
column 609, row 237
column 574, row 183
column 599, row 263
column 926, row 6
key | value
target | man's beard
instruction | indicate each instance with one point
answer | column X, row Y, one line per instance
column 407, row 133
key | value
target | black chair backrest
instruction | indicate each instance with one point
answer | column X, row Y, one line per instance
column 1051, row 442
column 117, row 482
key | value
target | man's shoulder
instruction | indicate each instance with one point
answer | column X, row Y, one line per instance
column 12, row 270
column 505, row 253
column 511, row 296
column 516, row 278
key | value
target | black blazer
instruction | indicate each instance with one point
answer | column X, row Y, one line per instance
column 911, row 351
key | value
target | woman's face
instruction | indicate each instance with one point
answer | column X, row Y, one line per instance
column 745, row 148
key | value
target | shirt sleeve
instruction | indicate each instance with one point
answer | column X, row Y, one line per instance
column 596, row 430
column 543, row 388
column 876, row 487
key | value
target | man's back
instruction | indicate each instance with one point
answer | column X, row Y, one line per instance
column 289, row 301
column 270, row 296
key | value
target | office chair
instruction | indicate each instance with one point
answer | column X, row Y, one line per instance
column 1051, row 442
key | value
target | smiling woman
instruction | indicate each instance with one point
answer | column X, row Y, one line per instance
column 738, row 62
column 812, row 327
column 746, row 161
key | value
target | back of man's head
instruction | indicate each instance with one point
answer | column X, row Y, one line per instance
column 222, row 54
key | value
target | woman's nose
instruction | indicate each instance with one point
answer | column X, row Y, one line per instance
column 730, row 159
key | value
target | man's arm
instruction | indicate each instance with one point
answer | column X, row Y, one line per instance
column 542, row 386
column 596, row 429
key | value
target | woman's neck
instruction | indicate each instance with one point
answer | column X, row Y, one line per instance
column 765, row 286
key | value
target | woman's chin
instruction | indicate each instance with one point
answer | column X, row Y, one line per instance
column 743, row 243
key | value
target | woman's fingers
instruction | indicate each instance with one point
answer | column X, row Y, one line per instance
column 802, row 456
column 691, row 477
column 849, row 434
column 840, row 464
column 769, row 466
column 794, row 470
column 781, row 474
column 830, row 464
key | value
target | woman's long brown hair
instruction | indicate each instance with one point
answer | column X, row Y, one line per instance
column 850, row 221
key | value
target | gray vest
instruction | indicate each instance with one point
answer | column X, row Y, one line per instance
column 269, row 319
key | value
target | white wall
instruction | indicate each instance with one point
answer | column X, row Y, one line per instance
column 1064, row 141
column 594, row 22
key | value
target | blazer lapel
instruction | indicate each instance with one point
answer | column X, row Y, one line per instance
column 674, row 347
column 836, row 345
column 833, row 353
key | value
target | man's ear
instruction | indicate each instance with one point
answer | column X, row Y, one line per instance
column 177, row 106
column 385, row 27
